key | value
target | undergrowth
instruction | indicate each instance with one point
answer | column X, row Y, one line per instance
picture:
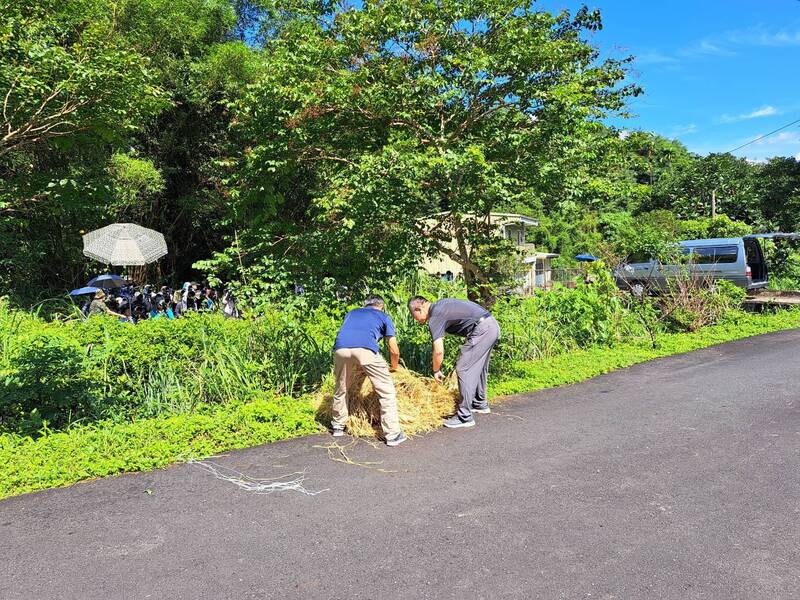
column 85, row 451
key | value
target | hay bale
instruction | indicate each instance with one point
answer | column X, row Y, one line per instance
column 421, row 403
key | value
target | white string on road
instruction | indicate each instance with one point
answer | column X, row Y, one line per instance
column 255, row 485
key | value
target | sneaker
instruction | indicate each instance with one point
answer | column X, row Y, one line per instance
column 483, row 410
column 397, row 439
column 454, row 422
column 338, row 431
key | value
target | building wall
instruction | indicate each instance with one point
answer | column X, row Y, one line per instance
column 509, row 230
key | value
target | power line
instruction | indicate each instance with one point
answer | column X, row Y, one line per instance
column 763, row 136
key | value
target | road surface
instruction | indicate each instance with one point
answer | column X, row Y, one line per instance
column 676, row 478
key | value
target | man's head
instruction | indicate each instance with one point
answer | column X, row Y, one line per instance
column 418, row 306
column 374, row 301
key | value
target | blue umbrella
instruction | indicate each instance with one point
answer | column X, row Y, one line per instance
column 586, row 258
column 84, row 290
column 108, row 281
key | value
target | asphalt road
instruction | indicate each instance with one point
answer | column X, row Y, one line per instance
column 673, row 479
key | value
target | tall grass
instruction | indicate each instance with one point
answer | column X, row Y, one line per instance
column 54, row 373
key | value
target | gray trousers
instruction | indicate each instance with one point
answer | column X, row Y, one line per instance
column 472, row 367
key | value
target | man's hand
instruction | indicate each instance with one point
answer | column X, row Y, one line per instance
column 394, row 353
column 439, row 376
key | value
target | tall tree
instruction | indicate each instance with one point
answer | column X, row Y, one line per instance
column 379, row 134
column 779, row 187
column 64, row 71
column 112, row 110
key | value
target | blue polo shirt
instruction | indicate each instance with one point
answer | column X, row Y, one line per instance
column 362, row 328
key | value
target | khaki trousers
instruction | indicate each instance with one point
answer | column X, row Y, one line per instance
column 376, row 369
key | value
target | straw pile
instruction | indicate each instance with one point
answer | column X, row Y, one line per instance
column 421, row 403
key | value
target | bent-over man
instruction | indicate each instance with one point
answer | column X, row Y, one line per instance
column 357, row 346
column 473, row 322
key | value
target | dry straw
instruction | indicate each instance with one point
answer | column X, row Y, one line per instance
column 421, row 403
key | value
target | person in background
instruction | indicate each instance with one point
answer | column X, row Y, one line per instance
column 356, row 346
column 229, row 308
column 98, row 306
column 209, row 300
column 138, row 309
column 481, row 332
column 160, row 310
column 191, row 301
column 180, row 305
column 147, row 297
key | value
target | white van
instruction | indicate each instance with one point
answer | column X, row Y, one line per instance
column 739, row 260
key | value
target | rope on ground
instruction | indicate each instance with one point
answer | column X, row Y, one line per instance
column 506, row 415
column 339, row 453
column 255, row 485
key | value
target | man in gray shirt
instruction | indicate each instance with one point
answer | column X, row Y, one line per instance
column 473, row 322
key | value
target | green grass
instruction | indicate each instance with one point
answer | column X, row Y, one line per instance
column 106, row 448
column 100, row 449
column 579, row 365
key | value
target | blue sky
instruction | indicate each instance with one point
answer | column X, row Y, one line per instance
column 716, row 73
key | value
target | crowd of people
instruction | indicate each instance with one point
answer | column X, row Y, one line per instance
column 133, row 304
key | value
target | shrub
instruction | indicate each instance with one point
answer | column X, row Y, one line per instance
column 44, row 381
column 54, row 373
column 691, row 303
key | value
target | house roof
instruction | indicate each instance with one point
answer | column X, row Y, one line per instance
column 503, row 217
column 515, row 217
column 534, row 257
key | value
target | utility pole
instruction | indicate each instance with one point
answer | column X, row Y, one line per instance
column 713, row 203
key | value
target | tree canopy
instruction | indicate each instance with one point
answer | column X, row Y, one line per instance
column 333, row 146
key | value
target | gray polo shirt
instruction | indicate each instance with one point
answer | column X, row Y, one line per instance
column 453, row 316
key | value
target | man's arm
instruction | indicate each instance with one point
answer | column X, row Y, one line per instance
column 394, row 352
column 437, row 358
column 108, row 311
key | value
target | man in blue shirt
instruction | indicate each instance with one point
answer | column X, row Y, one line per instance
column 357, row 346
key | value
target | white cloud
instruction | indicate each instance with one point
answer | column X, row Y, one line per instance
column 760, row 36
column 655, row 58
column 725, row 44
column 785, row 143
column 706, row 47
column 784, row 137
column 680, row 130
column 764, row 111
column 624, row 134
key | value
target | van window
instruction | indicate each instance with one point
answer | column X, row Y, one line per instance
column 638, row 257
column 709, row 255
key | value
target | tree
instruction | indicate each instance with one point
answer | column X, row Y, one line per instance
column 687, row 190
column 113, row 110
column 378, row 134
column 778, row 182
column 64, row 71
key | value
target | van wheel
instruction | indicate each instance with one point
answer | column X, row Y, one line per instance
column 637, row 289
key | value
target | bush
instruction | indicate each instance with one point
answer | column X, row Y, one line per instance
column 591, row 314
column 44, row 380
column 56, row 373
column 105, row 448
column 691, row 304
